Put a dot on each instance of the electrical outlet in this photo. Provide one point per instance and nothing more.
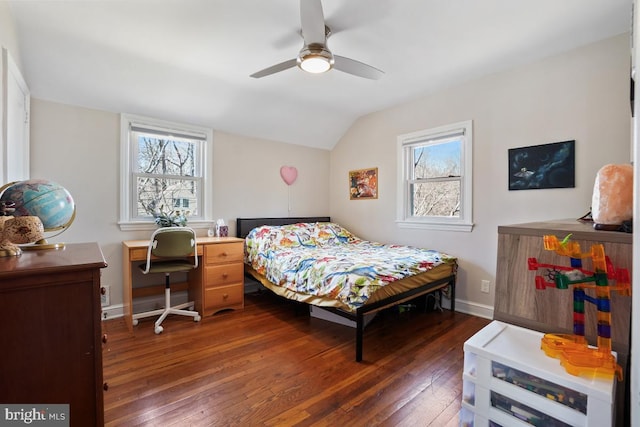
(105, 295)
(485, 286)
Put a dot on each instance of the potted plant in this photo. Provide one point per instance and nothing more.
(176, 218)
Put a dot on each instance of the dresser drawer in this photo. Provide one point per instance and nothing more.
(224, 274)
(222, 297)
(223, 252)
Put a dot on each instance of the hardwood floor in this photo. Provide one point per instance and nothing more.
(271, 364)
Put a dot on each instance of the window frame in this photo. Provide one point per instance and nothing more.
(405, 142)
(129, 221)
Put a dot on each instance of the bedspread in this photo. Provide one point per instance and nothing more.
(325, 259)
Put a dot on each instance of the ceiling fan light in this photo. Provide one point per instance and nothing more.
(315, 64)
(315, 59)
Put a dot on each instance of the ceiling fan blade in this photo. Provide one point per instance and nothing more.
(312, 19)
(356, 68)
(275, 68)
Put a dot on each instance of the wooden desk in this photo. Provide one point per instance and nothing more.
(50, 331)
(217, 284)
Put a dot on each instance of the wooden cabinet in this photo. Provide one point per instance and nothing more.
(509, 381)
(222, 277)
(50, 330)
(518, 301)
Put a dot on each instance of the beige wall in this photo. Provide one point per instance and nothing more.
(582, 95)
(8, 37)
(80, 149)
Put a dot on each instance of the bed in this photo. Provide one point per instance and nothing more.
(318, 262)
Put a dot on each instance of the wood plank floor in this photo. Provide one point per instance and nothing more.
(271, 364)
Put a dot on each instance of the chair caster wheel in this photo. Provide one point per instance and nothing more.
(135, 322)
(158, 330)
(197, 318)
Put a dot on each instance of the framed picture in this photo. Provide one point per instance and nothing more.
(363, 184)
(543, 166)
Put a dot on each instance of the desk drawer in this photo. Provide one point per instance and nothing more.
(140, 254)
(223, 252)
(224, 274)
(223, 297)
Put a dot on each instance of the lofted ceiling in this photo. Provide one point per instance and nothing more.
(190, 60)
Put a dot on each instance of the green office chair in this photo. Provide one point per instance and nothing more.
(171, 250)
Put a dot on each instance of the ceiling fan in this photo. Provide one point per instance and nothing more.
(315, 57)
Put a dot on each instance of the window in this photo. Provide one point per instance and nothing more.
(435, 178)
(163, 171)
(181, 203)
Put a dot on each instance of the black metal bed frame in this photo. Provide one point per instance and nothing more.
(245, 225)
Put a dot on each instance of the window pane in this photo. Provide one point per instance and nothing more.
(437, 160)
(162, 156)
(181, 203)
(160, 195)
(438, 198)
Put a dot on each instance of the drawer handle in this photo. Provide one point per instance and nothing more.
(104, 338)
(223, 254)
(225, 296)
(105, 386)
(225, 275)
(103, 291)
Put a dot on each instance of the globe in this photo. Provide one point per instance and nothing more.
(47, 200)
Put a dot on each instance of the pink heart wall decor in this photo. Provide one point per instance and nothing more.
(289, 174)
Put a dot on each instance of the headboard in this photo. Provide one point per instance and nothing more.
(245, 225)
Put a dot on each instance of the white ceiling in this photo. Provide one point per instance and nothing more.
(190, 60)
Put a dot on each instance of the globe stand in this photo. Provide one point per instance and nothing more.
(42, 245)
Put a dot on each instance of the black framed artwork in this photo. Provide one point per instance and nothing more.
(543, 166)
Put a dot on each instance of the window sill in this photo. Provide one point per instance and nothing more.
(440, 226)
(149, 225)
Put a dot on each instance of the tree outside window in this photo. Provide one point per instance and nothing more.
(163, 172)
(436, 185)
(434, 178)
(166, 175)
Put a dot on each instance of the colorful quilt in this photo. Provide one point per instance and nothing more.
(326, 260)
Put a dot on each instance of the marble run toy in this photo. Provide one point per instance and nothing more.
(575, 354)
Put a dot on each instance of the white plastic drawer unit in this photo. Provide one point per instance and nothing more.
(509, 381)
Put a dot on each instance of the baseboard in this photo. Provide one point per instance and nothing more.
(475, 309)
(112, 311)
(140, 305)
(151, 303)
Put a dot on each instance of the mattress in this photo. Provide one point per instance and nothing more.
(325, 265)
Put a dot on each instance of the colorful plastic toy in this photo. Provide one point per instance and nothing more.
(577, 357)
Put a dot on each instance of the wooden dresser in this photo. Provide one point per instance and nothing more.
(50, 330)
